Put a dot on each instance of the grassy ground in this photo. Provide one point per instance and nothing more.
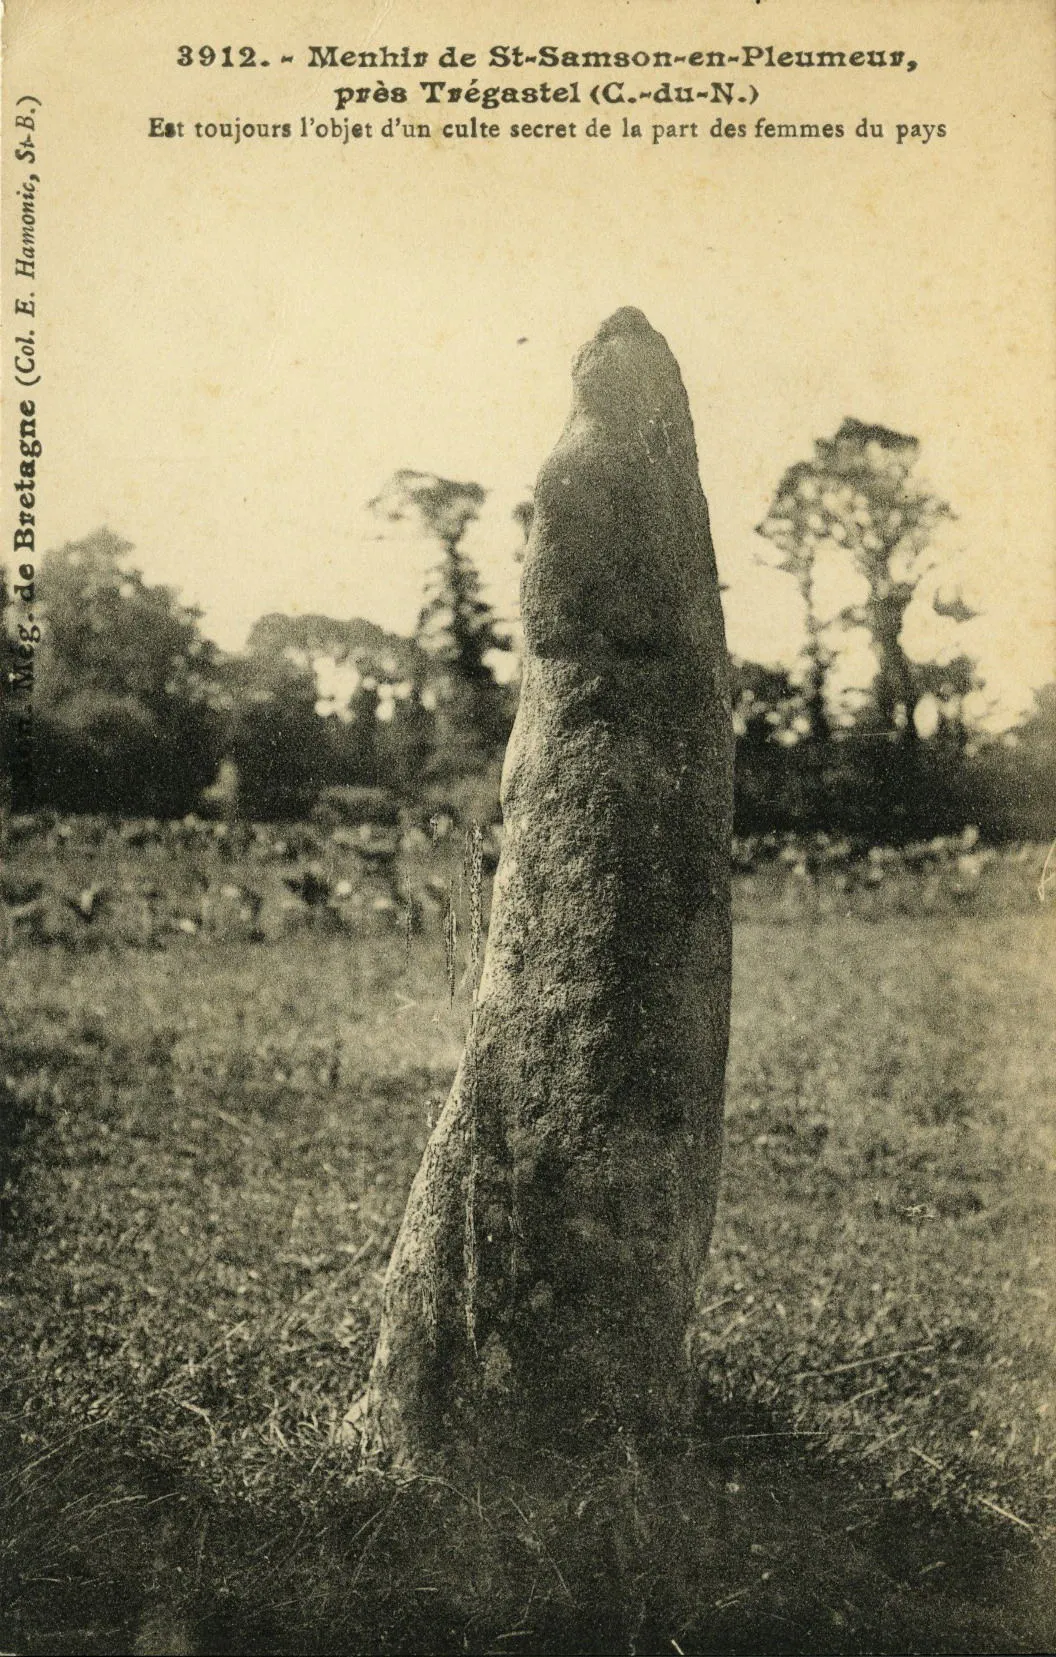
(207, 1152)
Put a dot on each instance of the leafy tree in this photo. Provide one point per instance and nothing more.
(109, 631)
(522, 515)
(769, 717)
(124, 688)
(383, 735)
(354, 740)
(273, 734)
(456, 629)
(1014, 776)
(795, 529)
(858, 492)
(767, 705)
(948, 685)
(405, 745)
(386, 658)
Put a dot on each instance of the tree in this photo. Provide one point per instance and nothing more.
(125, 686)
(456, 629)
(795, 527)
(367, 738)
(1035, 742)
(309, 640)
(767, 706)
(769, 717)
(405, 745)
(273, 734)
(522, 515)
(947, 685)
(1013, 777)
(354, 738)
(858, 493)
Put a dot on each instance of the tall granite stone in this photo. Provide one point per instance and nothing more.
(543, 1281)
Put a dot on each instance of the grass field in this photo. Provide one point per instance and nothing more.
(206, 1155)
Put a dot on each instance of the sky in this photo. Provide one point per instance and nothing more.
(240, 343)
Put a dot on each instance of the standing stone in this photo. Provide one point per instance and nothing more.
(543, 1281)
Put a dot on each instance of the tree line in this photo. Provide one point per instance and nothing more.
(136, 712)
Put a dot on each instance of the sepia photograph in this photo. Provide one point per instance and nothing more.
(528, 827)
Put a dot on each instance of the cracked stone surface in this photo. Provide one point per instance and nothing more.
(543, 1280)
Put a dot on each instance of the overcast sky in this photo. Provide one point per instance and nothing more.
(240, 343)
